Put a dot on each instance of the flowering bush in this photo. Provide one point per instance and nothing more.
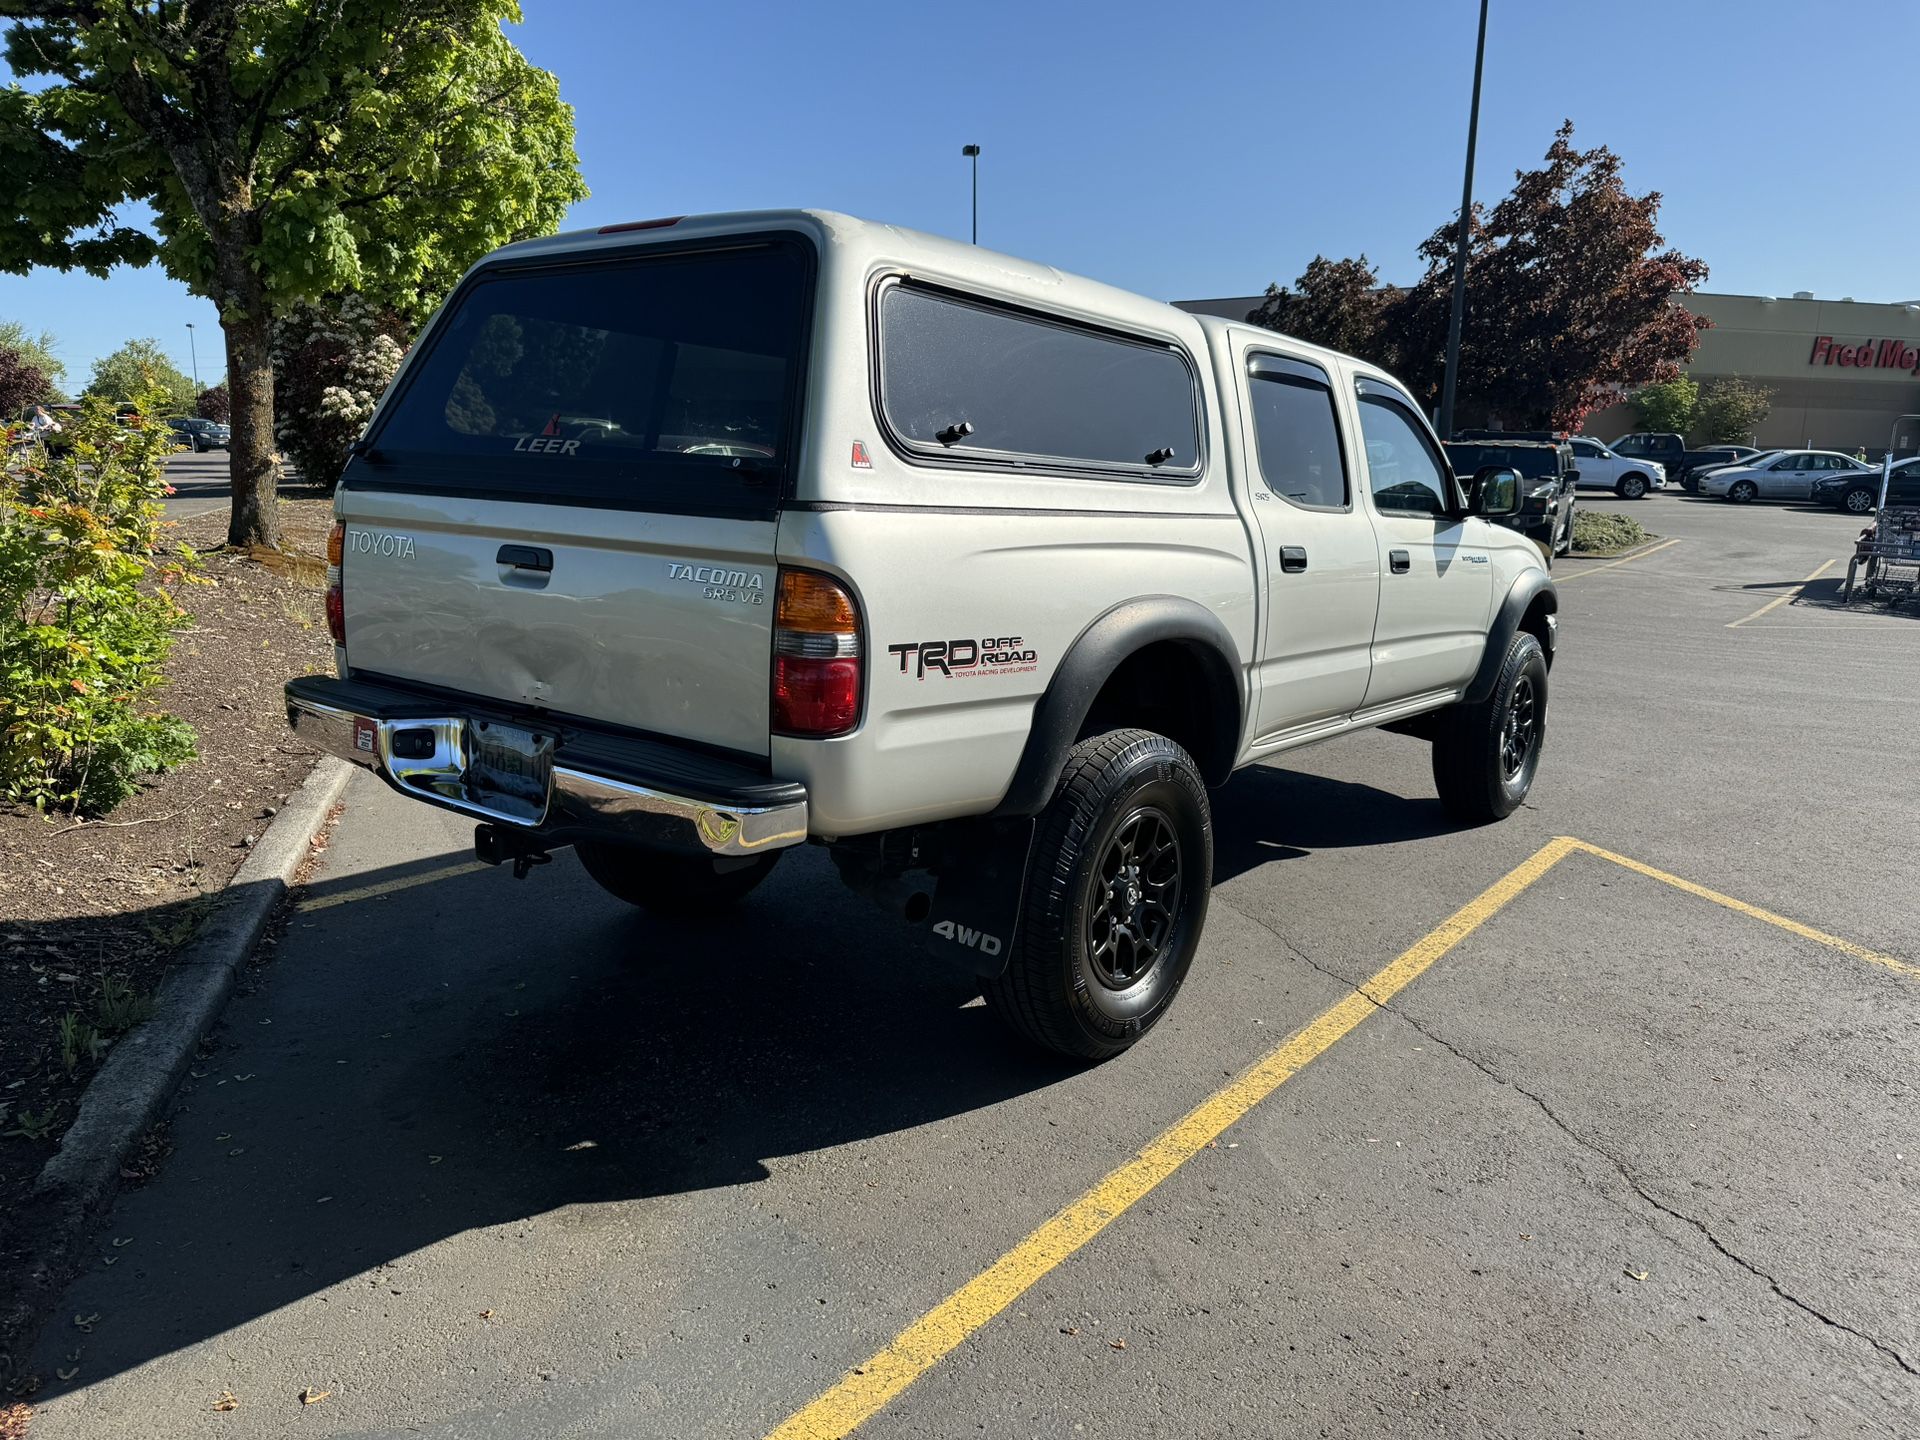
(332, 361)
(85, 615)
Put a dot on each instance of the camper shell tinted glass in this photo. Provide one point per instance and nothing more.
(965, 380)
(651, 379)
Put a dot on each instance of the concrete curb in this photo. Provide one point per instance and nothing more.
(145, 1067)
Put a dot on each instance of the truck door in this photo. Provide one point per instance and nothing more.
(1436, 586)
(1322, 562)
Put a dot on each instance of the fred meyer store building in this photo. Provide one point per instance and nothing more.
(1841, 371)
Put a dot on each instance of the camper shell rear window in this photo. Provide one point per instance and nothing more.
(657, 378)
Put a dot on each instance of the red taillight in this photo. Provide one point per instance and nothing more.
(816, 657)
(336, 595)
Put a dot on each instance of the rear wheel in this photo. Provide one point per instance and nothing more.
(1631, 487)
(1859, 500)
(670, 884)
(1485, 756)
(1743, 492)
(1117, 889)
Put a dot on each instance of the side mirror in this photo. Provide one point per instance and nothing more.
(1496, 492)
(1572, 475)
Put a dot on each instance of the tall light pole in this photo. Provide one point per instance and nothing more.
(972, 152)
(193, 350)
(1460, 250)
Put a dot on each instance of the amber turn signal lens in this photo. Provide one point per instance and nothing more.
(336, 543)
(814, 603)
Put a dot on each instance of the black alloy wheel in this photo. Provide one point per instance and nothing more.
(1521, 729)
(1135, 895)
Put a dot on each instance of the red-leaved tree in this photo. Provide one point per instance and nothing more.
(1570, 300)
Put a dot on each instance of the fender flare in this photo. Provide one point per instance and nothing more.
(1101, 648)
(1532, 585)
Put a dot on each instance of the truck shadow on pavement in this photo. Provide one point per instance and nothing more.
(435, 1050)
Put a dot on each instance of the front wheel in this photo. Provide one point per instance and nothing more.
(679, 885)
(1117, 889)
(1486, 755)
(1859, 500)
(1632, 487)
(1743, 492)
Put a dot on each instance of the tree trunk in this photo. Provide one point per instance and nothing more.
(256, 480)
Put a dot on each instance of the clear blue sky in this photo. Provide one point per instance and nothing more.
(1201, 149)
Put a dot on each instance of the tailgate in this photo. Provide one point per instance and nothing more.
(569, 499)
(659, 623)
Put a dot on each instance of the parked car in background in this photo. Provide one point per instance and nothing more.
(1860, 494)
(1709, 456)
(1601, 468)
(1662, 448)
(1547, 477)
(1782, 475)
(200, 435)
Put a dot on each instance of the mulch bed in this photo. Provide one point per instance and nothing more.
(82, 902)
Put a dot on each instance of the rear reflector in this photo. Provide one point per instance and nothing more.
(816, 657)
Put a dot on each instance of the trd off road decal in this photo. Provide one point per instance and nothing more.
(994, 655)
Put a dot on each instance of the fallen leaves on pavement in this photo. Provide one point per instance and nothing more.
(311, 1396)
(227, 1401)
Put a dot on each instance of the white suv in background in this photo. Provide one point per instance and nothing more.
(1601, 469)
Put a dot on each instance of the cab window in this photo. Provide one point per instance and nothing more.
(1296, 433)
(1404, 473)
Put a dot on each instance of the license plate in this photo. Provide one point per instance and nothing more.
(511, 763)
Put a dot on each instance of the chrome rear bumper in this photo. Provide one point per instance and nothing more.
(571, 802)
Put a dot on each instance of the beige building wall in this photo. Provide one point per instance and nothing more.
(1838, 395)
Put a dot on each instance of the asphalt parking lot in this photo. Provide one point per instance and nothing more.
(1452, 1132)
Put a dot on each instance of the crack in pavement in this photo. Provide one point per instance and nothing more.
(1619, 1166)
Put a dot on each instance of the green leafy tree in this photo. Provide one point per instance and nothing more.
(1336, 303)
(1667, 406)
(1731, 409)
(37, 350)
(287, 150)
(137, 367)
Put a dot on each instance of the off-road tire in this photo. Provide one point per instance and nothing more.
(1471, 767)
(1743, 492)
(1632, 487)
(677, 885)
(1061, 991)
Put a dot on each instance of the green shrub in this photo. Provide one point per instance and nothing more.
(1599, 532)
(85, 615)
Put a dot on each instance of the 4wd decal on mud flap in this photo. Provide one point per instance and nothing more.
(994, 655)
(965, 935)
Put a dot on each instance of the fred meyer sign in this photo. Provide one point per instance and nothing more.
(1867, 355)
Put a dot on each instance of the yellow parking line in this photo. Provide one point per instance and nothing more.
(869, 1387)
(1627, 560)
(1805, 932)
(1780, 600)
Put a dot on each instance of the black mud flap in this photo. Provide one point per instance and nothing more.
(976, 904)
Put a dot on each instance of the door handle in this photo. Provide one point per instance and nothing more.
(1293, 558)
(525, 557)
(1399, 561)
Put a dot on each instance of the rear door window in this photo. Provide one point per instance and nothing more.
(1296, 433)
(961, 379)
(663, 380)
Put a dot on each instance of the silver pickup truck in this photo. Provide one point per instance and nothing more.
(689, 541)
